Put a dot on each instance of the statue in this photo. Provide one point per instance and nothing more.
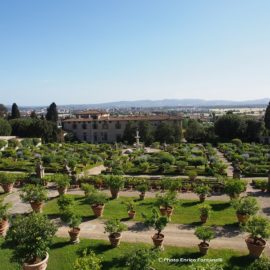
(236, 171)
(137, 137)
(40, 171)
(67, 169)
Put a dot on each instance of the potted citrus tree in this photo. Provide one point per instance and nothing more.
(3, 218)
(234, 187)
(142, 188)
(205, 211)
(259, 229)
(158, 223)
(74, 221)
(30, 237)
(35, 195)
(7, 182)
(206, 234)
(202, 191)
(130, 208)
(166, 202)
(87, 188)
(245, 207)
(63, 183)
(97, 201)
(88, 261)
(114, 227)
(115, 183)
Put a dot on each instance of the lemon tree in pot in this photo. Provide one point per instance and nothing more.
(202, 191)
(63, 182)
(166, 202)
(87, 188)
(245, 207)
(7, 182)
(234, 187)
(114, 227)
(158, 223)
(142, 188)
(30, 237)
(97, 201)
(3, 218)
(205, 234)
(88, 261)
(74, 221)
(35, 195)
(130, 208)
(115, 183)
(259, 229)
(205, 211)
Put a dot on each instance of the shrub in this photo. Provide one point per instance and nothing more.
(205, 210)
(74, 220)
(113, 226)
(142, 259)
(34, 193)
(115, 182)
(87, 188)
(237, 142)
(62, 180)
(4, 211)
(246, 206)
(192, 175)
(202, 190)
(156, 221)
(97, 198)
(205, 233)
(142, 187)
(234, 188)
(167, 200)
(89, 261)
(260, 264)
(258, 227)
(6, 178)
(31, 237)
(64, 202)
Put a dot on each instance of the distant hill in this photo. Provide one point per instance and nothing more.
(173, 103)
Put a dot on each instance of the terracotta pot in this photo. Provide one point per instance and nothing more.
(255, 250)
(203, 218)
(7, 187)
(202, 198)
(37, 206)
(142, 195)
(98, 209)
(37, 266)
(169, 211)
(242, 218)
(115, 239)
(62, 190)
(3, 226)
(115, 193)
(131, 214)
(163, 211)
(158, 240)
(203, 247)
(74, 234)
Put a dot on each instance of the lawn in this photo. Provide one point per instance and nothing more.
(185, 212)
(63, 255)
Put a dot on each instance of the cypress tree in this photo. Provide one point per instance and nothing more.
(267, 117)
(15, 113)
(52, 114)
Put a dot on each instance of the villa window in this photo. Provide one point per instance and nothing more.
(84, 126)
(74, 126)
(95, 126)
(105, 125)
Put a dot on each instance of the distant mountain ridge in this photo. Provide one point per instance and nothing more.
(174, 103)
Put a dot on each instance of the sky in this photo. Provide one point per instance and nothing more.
(94, 51)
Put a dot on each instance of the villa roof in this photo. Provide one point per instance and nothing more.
(128, 118)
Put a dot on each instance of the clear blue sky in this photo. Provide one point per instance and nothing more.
(85, 51)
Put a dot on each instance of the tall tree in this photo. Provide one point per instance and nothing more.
(33, 115)
(52, 113)
(3, 110)
(267, 117)
(15, 113)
